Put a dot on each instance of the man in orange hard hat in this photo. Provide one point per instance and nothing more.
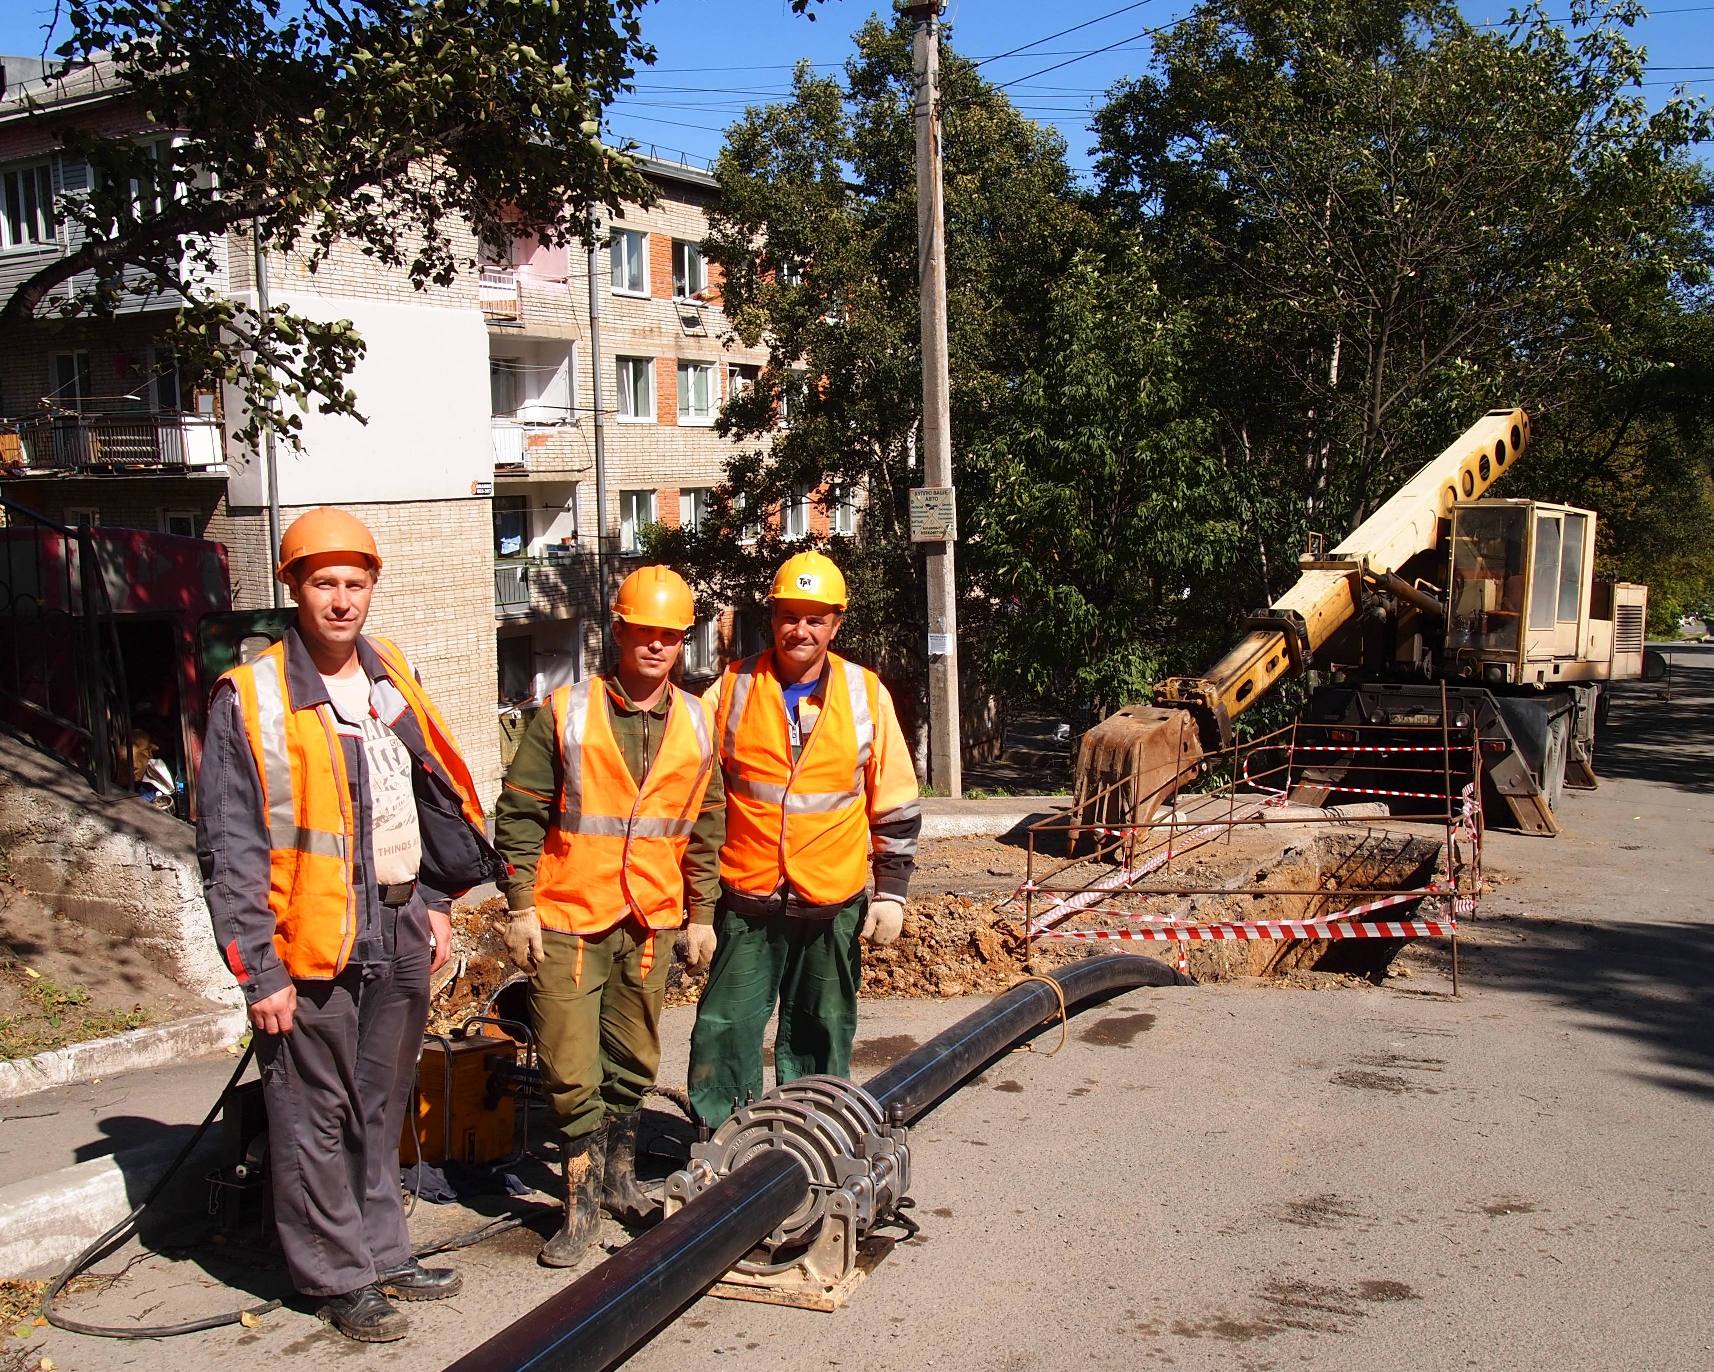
(611, 818)
(338, 821)
(822, 799)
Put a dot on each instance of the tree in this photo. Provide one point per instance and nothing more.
(390, 125)
(815, 231)
(1388, 221)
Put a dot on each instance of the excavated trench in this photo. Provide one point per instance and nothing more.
(1331, 865)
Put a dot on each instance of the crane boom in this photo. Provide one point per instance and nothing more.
(1330, 592)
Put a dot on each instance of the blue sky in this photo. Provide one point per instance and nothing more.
(717, 56)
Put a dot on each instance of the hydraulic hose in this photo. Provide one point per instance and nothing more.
(597, 1320)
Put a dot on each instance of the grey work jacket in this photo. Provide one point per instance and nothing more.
(232, 835)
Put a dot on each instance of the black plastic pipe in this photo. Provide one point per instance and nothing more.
(916, 1081)
(597, 1320)
(603, 1315)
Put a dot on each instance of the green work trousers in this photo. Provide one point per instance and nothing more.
(598, 1024)
(810, 968)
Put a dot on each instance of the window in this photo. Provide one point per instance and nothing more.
(636, 513)
(749, 528)
(1571, 569)
(78, 516)
(180, 522)
(797, 513)
(166, 389)
(511, 531)
(692, 507)
(71, 380)
(699, 650)
(741, 378)
(1546, 594)
(690, 272)
(695, 392)
(630, 262)
(636, 377)
(517, 668)
(791, 395)
(27, 206)
(790, 273)
(844, 511)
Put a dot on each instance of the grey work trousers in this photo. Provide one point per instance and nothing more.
(336, 1088)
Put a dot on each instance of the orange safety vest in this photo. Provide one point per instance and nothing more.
(805, 822)
(307, 808)
(616, 849)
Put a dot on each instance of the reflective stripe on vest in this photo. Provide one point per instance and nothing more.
(617, 848)
(785, 821)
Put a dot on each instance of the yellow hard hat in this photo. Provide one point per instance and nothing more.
(656, 596)
(326, 530)
(812, 577)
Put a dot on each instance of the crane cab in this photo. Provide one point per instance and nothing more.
(1523, 605)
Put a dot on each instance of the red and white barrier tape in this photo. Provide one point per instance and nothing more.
(1261, 930)
(1062, 910)
(1379, 791)
(1372, 748)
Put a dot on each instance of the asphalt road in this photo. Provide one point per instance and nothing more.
(1249, 1177)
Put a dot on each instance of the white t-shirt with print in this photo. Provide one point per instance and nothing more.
(392, 803)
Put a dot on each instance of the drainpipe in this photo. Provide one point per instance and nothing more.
(270, 458)
(600, 412)
(600, 1318)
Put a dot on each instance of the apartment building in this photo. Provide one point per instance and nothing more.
(665, 366)
(476, 463)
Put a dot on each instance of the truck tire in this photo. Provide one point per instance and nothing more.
(1553, 764)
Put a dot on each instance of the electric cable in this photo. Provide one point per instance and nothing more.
(124, 1230)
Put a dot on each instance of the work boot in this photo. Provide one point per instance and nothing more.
(582, 1162)
(411, 1281)
(621, 1197)
(365, 1315)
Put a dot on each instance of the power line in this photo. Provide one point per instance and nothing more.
(1100, 18)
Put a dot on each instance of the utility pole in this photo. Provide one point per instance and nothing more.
(933, 506)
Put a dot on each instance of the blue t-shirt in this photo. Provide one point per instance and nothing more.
(795, 694)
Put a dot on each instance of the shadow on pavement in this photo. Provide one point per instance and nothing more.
(1645, 983)
(1651, 738)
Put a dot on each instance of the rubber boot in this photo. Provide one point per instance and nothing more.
(582, 1162)
(621, 1197)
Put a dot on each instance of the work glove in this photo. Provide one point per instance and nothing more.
(524, 939)
(699, 944)
(885, 919)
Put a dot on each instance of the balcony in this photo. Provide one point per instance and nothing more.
(508, 444)
(560, 586)
(106, 442)
(497, 289)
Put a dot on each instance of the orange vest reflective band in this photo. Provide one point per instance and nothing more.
(805, 822)
(307, 808)
(616, 849)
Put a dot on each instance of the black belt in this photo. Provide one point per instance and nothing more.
(399, 893)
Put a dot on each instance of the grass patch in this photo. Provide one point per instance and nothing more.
(45, 1015)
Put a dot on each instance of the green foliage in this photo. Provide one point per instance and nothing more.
(1387, 221)
(386, 126)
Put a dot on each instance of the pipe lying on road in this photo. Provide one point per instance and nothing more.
(597, 1320)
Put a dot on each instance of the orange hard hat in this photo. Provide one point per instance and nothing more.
(326, 530)
(656, 596)
(812, 577)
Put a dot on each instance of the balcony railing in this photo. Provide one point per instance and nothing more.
(560, 585)
(508, 442)
(497, 289)
(77, 442)
(511, 589)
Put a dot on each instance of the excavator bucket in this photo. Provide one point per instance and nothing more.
(1131, 761)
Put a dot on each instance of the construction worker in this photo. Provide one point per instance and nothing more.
(611, 818)
(337, 822)
(821, 796)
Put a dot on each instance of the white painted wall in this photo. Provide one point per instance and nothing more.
(423, 387)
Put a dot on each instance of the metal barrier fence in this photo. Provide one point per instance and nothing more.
(62, 677)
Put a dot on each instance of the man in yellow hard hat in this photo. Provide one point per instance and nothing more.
(337, 822)
(611, 818)
(822, 799)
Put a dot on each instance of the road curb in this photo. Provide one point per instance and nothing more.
(47, 1221)
(141, 1048)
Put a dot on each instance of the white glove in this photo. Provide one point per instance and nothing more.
(885, 919)
(524, 939)
(699, 944)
